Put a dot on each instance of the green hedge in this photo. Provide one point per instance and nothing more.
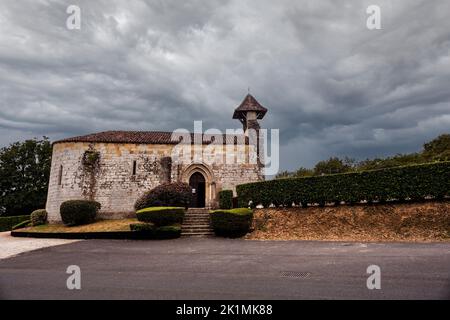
(6, 223)
(231, 223)
(226, 199)
(21, 225)
(154, 232)
(161, 216)
(413, 182)
(78, 212)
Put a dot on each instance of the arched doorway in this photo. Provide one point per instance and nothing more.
(209, 199)
(198, 186)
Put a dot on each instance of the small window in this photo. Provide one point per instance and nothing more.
(60, 175)
(134, 167)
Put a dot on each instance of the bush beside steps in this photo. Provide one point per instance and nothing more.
(231, 223)
(161, 216)
(153, 232)
(175, 194)
(226, 199)
(159, 222)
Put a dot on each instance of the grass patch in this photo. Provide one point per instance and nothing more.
(97, 226)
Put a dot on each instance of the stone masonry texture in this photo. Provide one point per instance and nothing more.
(113, 184)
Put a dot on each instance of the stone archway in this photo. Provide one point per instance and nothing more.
(199, 171)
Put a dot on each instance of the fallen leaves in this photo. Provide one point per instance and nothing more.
(427, 221)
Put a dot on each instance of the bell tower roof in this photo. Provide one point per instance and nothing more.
(249, 105)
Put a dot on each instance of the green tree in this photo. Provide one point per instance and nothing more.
(283, 175)
(390, 162)
(333, 165)
(24, 175)
(437, 149)
(303, 172)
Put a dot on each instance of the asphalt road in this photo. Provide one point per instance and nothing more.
(228, 269)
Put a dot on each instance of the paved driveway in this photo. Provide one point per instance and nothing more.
(11, 246)
(229, 269)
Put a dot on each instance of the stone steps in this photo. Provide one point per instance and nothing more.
(198, 210)
(197, 234)
(193, 224)
(200, 220)
(196, 223)
(198, 229)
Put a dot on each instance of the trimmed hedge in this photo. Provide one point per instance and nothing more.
(409, 182)
(38, 217)
(226, 199)
(142, 227)
(176, 194)
(23, 224)
(6, 223)
(161, 216)
(78, 212)
(153, 232)
(231, 223)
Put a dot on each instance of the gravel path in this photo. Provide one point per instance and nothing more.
(11, 246)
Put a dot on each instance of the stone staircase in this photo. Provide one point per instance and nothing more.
(196, 223)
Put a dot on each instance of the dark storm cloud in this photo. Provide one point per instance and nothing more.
(332, 87)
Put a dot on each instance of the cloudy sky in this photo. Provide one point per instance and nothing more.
(332, 86)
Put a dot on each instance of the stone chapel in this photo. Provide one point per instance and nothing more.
(116, 167)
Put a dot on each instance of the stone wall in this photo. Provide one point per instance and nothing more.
(113, 184)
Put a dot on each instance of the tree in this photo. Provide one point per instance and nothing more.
(283, 175)
(437, 149)
(390, 162)
(24, 175)
(333, 165)
(303, 172)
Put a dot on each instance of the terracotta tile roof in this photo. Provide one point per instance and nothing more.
(142, 137)
(249, 104)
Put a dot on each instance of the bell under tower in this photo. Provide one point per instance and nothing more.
(249, 112)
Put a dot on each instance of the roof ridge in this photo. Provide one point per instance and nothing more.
(139, 137)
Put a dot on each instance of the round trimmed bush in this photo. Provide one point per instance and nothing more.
(161, 216)
(38, 217)
(78, 212)
(232, 223)
(176, 194)
(226, 199)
